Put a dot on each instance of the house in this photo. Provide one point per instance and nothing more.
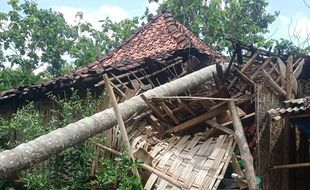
(194, 135)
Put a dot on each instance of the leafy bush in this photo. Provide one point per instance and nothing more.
(118, 173)
(69, 169)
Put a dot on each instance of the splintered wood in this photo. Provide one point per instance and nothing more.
(194, 162)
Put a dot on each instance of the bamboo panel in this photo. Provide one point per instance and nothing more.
(195, 162)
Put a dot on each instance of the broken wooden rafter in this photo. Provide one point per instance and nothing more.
(217, 109)
(218, 126)
(169, 113)
(228, 125)
(186, 107)
(250, 61)
(262, 66)
(244, 77)
(155, 110)
(273, 83)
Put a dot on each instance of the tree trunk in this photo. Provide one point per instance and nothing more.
(43, 147)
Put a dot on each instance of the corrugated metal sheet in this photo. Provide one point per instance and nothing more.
(295, 106)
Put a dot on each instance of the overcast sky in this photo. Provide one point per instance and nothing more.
(293, 13)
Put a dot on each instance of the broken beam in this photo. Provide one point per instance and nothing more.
(273, 83)
(214, 111)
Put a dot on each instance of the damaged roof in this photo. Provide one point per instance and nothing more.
(159, 40)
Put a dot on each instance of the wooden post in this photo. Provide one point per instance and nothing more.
(243, 146)
(289, 71)
(288, 135)
(119, 119)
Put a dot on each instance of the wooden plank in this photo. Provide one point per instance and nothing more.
(273, 83)
(199, 119)
(282, 67)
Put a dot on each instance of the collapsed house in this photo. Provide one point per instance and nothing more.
(189, 113)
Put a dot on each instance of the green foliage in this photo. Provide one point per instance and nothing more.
(27, 30)
(31, 37)
(245, 20)
(12, 78)
(118, 173)
(25, 125)
(284, 46)
(92, 43)
(69, 169)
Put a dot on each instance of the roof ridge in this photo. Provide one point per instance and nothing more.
(175, 32)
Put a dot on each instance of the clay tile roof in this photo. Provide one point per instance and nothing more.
(163, 34)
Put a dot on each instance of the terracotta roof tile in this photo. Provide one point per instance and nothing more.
(161, 35)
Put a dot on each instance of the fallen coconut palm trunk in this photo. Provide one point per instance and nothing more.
(43, 147)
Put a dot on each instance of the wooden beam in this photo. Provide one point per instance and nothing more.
(243, 77)
(288, 166)
(260, 68)
(170, 113)
(289, 71)
(243, 147)
(273, 83)
(186, 107)
(227, 125)
(120, 121)
(195, 98)
(214, 111)
(218, 126)
(250, 61)
(156, 111)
